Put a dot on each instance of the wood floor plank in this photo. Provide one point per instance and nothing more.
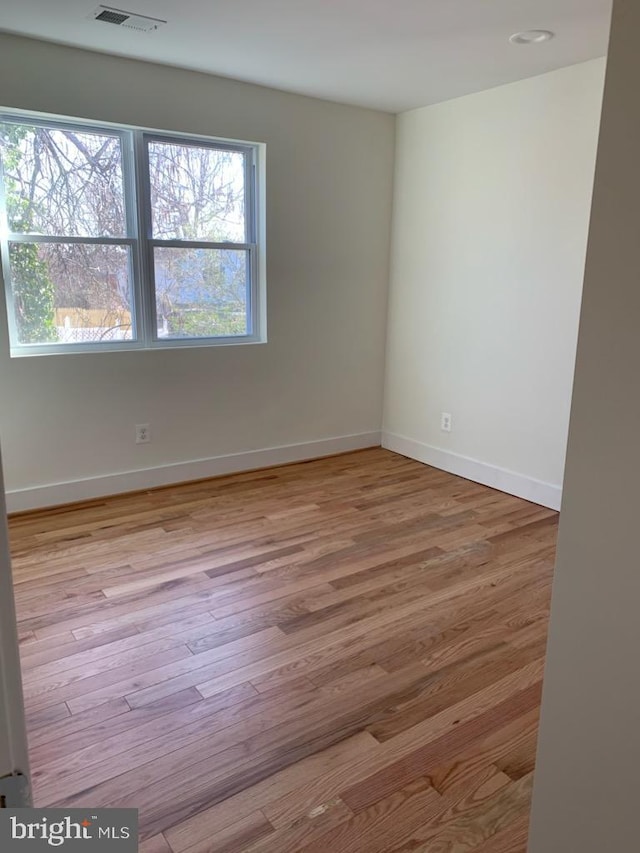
(419, 748)
(72, 725)
(313, 826)
(372, 829)
(163, 676)
(46, 717)
(79, 693)
(385, 824)
(157, 844)
(344, 654)
(230, 758)
(110, 650)
(210, 821)
(449, 744)
(48, 651)
(512, 839)
(240, 835)
(79, 747)
(462, 829)
(496, 749)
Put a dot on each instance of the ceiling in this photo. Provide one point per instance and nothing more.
(388, 54)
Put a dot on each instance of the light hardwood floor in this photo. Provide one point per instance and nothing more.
(343, 655)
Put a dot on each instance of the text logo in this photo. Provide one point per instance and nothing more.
(72, 830)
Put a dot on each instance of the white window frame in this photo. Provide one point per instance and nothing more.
(139, 237)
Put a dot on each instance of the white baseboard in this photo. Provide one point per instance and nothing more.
(55, 494)
(536, 491)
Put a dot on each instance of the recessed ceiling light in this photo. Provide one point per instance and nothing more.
(531, 37)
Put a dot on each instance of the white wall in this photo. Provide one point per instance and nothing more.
(329, 190)
(492, 200)
(587, 777)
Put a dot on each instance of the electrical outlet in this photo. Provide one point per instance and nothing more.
(445, 422)
(143, 433)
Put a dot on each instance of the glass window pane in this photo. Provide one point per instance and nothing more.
(63, 182)
(202, 293)
(71, 293)
(197, 193)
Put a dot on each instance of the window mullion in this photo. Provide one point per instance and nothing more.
(249, 201)
(131, 207)
(200, 244)
(145, 258)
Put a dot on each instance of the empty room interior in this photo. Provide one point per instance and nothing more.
(314, 315)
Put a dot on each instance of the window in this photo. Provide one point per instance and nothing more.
(114, 238)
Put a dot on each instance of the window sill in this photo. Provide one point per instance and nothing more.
(95, 349)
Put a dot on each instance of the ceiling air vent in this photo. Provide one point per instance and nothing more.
(128, 20)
